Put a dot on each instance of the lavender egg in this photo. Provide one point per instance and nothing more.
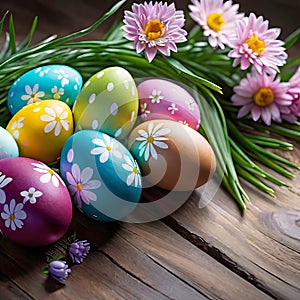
(35, 205)
(163, 99)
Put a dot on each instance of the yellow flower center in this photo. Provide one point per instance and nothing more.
(135, 170)
(108, 148)
(154, 29)
(150, 139)
(30, 195)
(215, 21)
(255, 44)
(50, 172)
(12, 217)
(263, 97)
(57, 119)
(79, 187)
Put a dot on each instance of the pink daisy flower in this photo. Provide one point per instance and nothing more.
(257, 45)
(217, 19)
(154, 27)
(263, 96)
(292, 113)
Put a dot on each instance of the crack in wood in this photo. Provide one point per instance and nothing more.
(13, 288)
(217, 255)
(131, 274)
(181, 279)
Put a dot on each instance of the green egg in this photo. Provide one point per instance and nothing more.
(108, 102)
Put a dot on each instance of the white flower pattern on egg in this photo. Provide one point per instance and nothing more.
(13, 214)
(190, 105)
(106, 148)
(145, 112)
(57, 92)
(184, 123)
(56, 120)
(156, 96)
(33, 94)
(173, 108)
(42, 72)
(80, 184)
(31, 195)
(48, 175)
(4, 181)
(17, 125)
(62, 76)
(132, 167)
(151, 139)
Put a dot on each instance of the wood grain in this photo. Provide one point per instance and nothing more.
(265, 253)
(208, 253)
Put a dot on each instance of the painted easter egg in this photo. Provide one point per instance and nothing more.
(171, 155)
(101, 175)
(35, 205)
(41, 129)
(108, 102)
(8, 145)
(58, 82)
(163, 99)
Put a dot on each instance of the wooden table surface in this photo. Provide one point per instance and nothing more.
(209, 253)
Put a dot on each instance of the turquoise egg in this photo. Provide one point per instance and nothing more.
(108, 102)
(8, 145)
(58, 82)
(103, 178)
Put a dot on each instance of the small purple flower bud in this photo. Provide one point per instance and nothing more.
(79, 250)
(59, 270)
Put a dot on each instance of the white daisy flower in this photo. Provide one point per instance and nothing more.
(156, 96)
(57, 92)
(106, 148)
(48, 174)
(152, 138)
(13, 215)
(31, 195)
(3, 182)
(56, 120)
(173, 108)
(81, 184)
(62, 76)
(33, 94)
(132, 167)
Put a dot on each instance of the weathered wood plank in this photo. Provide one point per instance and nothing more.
(97, 278)
(10, 291)
(162, 259)
(261, 246)
(148, 261)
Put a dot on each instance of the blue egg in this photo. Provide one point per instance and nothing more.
(102, 176)
(58, 82)
(8, 145)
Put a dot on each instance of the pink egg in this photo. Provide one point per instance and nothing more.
(35, 205)
(163, 99)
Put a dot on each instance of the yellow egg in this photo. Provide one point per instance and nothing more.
(171, 155)
(41, 129)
